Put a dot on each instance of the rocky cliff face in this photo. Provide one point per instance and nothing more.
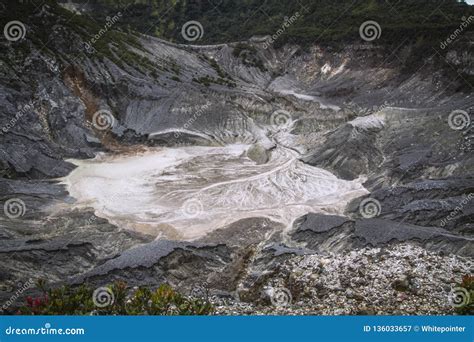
(358, 113)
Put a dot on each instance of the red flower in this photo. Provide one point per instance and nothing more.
(37, 302)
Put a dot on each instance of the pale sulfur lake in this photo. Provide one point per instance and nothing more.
(185, 192)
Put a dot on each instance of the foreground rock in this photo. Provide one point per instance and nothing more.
(337, 233)
(398, 280)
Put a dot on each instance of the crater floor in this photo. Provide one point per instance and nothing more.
(186, 192)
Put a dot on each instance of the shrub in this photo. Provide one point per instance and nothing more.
(248, 55)
(117, 300)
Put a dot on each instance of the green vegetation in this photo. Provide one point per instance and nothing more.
(320, 21)
(421, 23)
(248, 55)
(118, 300)
(213, 63)
(208, 80)
(110, 42)
(175, 68)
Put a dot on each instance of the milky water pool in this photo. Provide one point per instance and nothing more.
(186, 192)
